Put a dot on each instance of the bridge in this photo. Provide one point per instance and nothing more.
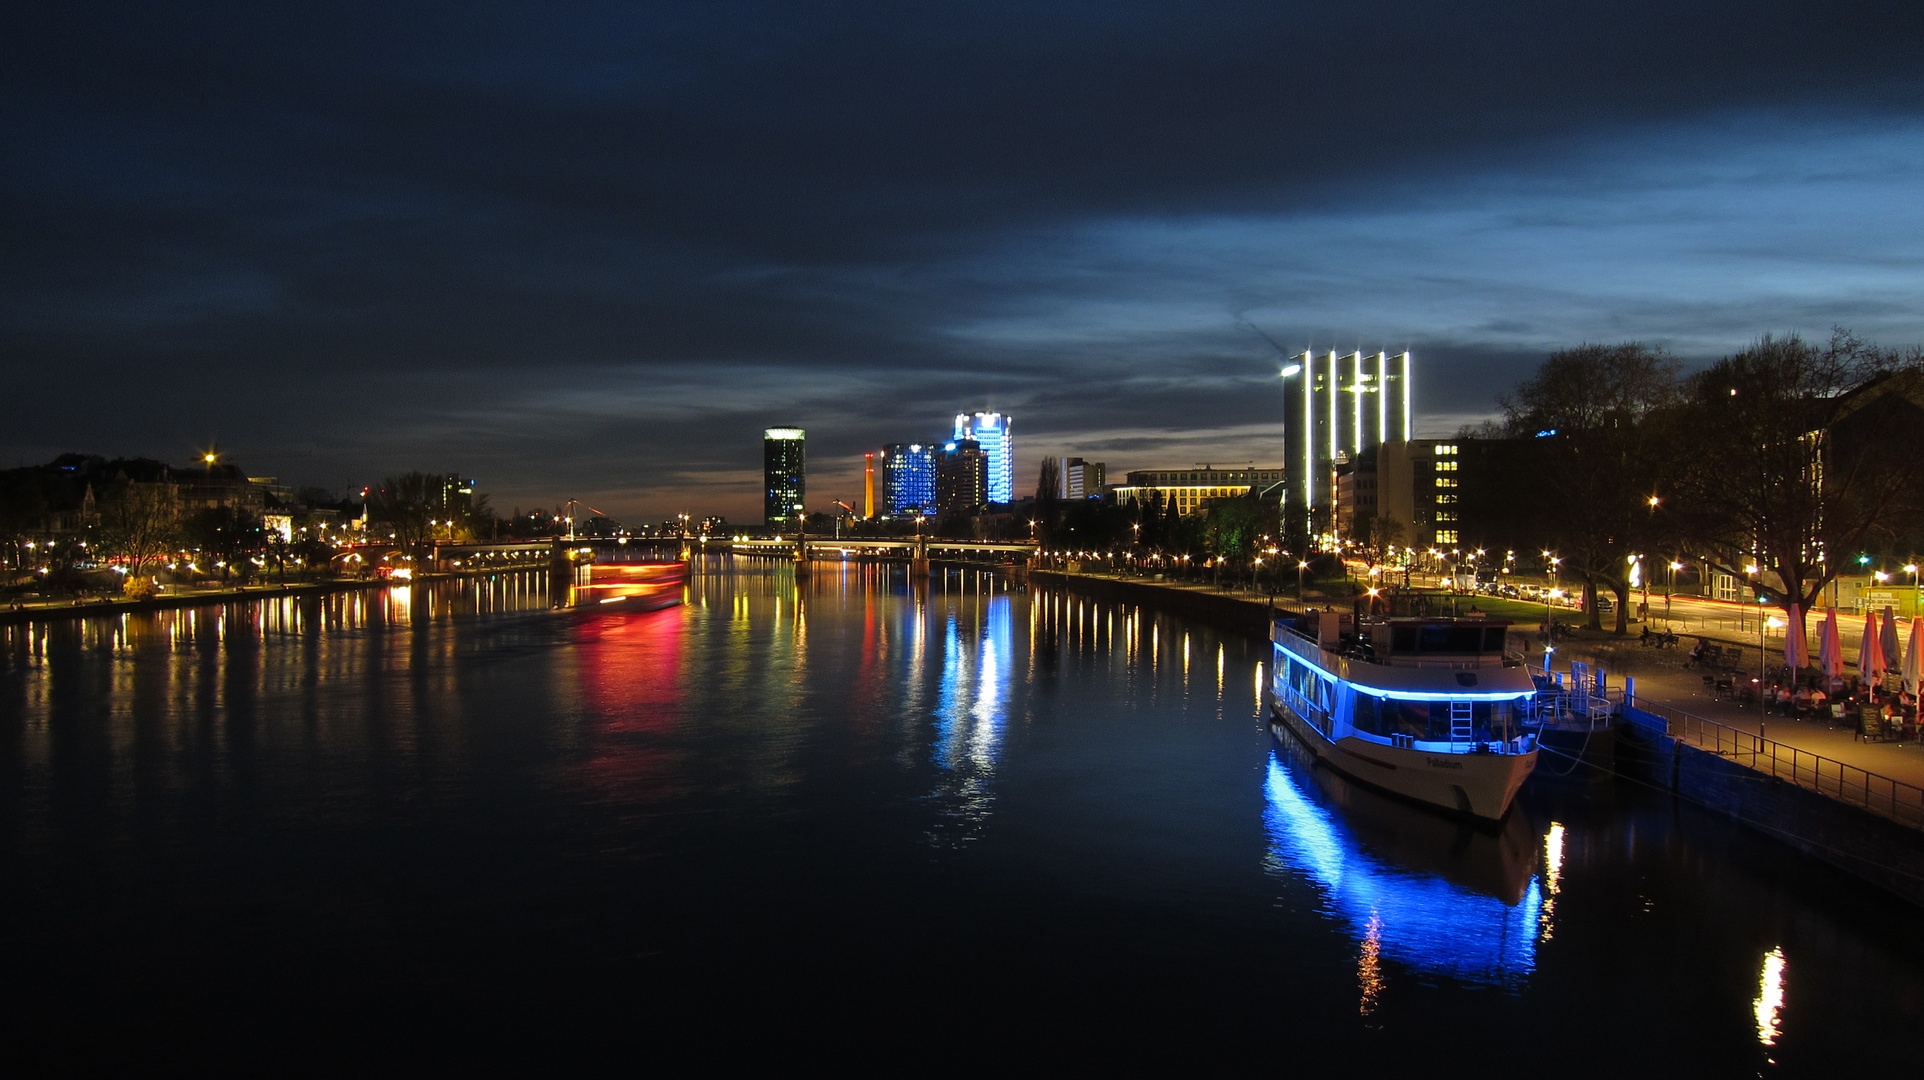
(914, 550)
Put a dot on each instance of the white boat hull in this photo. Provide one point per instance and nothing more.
(1477, 785)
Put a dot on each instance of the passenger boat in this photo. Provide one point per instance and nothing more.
(637, 586)
(1425, 708)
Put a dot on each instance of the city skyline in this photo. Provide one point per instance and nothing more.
(583, 253)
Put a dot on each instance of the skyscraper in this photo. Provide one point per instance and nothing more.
(991, 432)
(1339, 406)
(961, 477)
(785, 472)
(908, 479)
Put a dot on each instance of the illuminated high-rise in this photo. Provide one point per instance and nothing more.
(990, 431)
(785, 473)
(908, 480)
(1336, 407)
(961, 478)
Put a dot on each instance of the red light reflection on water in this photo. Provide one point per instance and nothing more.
(632, 695)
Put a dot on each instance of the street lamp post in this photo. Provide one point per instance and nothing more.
(1911, 569)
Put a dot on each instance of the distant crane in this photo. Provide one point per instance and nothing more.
(838, 519)
(1293, 368)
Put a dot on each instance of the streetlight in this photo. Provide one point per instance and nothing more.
(1671, 587)
(1301, 565)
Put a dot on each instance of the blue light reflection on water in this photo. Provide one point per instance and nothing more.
(1420, 920)
(971, 712)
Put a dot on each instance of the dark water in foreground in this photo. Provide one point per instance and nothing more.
(445, 828)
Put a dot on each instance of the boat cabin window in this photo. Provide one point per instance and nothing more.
(1491, 721)
(1458, 640)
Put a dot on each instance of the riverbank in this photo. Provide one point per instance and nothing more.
(1224, 611)
(1831, 824)
(61, 610)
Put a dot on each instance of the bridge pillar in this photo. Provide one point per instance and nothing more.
(802, 569)
(561, 572)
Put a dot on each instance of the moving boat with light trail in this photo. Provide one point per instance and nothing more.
(1425, 708)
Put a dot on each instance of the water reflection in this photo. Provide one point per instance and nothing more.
(971, 710)
(1769, 1005)
(1438, 897)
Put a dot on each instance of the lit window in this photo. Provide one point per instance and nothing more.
(1446, 481)
(1446, 466)
(1446, 515)
(1445, 449)
(1446, 500)
(1446, 536)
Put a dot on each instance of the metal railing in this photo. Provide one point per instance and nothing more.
(1881, 795)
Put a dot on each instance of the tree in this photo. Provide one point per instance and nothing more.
(405, 504)
(1047, 500)
(1790, 459)
(227, 533)
(140, 523)
(1376, 537)
(1589, 412)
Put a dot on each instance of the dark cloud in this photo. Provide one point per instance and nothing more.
(573, 247)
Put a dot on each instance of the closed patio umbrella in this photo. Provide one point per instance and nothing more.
(1912, 658)
(1870, 652)
(1830, 646)
(1796, 650)
(1893, 656)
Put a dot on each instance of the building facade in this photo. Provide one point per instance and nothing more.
(1188, 491)
(990, 431)
(961, 478)
(785, 475)
(1337, 406)
(1079, 479)
(908, 480)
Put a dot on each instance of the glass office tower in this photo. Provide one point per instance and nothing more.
(785, 471)
(1339, 406)
(990, 431)
(908, 479)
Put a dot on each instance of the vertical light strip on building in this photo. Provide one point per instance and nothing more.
(1356, 409)
(1382, 398)
(1335, 418)
(1409, 395)
(1307, 486)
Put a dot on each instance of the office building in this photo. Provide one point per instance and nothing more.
(1188, 491)
(908, 480)
(1079, 479)
(990, 431)
(785, 473)
(1451, 493)
(961, 478)
(1337, 406)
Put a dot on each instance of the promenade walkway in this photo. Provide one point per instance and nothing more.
(1661, 679)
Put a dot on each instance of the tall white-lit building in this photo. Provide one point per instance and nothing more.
(1339, 406)
(990, 431)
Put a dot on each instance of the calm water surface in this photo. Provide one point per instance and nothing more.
(854, 822)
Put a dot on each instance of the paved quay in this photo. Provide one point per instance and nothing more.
(1661, 679)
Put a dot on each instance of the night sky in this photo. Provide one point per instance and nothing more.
(591, 251)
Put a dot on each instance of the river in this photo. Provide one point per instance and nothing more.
(444, 827)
